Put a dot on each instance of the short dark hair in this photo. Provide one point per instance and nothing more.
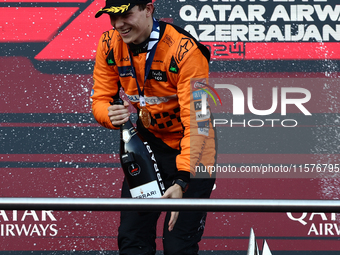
(143, 6)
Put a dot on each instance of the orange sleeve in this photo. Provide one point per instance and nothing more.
(195, 147)
(105, 86)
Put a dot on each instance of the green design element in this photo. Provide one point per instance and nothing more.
(209, 95)
(173, 69)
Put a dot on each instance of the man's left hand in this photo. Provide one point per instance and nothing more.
(175, 191)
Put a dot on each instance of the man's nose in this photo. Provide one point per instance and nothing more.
(117, 22)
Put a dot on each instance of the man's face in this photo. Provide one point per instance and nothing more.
(133, 26)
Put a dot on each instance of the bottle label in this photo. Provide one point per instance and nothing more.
(148, 190)
(159, 178)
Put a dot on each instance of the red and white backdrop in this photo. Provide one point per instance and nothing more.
(281, 55)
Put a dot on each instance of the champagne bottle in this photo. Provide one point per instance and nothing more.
(139, 163)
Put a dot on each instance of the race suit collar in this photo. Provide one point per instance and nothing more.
(139, 48)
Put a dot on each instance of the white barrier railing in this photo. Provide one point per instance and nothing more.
(210, 205)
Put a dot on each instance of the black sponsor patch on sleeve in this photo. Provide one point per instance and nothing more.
(173, 66)
(198, 105)
(110, 60)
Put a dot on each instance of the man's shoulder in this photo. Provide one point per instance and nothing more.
(108, 32)
(181, 40)
(109, 39)
(109, 35)
(176, 33)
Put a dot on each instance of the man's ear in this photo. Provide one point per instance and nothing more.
(149, 9)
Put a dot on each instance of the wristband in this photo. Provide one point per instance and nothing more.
(184, 185)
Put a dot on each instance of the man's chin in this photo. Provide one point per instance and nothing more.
(128, 39)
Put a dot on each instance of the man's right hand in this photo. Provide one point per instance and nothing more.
(119, 114)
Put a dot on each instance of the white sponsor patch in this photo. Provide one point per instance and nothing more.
(148, 190)
(200, 116)
(203, 131)
(151, 100)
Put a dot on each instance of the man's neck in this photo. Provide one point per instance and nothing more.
(143, 46)
(139, 48)
(148, 31)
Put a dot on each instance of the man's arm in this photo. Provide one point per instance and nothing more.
(194, 144)
(105, 86)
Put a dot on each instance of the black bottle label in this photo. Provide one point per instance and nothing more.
(154, 188)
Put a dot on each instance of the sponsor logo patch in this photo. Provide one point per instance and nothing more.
(203, 131)
(200, 116)
(183, 48)
(125, 71)
(168, 40)
(157, 75)
(198, 94)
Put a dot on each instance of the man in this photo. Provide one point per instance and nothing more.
(154, 63)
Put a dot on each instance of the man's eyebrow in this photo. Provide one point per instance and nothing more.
(128, 12)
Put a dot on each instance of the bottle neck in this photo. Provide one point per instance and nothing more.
(127, 125)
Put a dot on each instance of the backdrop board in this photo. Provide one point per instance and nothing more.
(274, 79)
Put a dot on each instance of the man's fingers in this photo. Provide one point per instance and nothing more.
(118, 122)
(113, 111)
(119, 117)
(126, 104)
(166, 194)
(174, 191)
(118, 114)
(173, 219)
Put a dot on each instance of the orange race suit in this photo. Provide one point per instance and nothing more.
(169, 91)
